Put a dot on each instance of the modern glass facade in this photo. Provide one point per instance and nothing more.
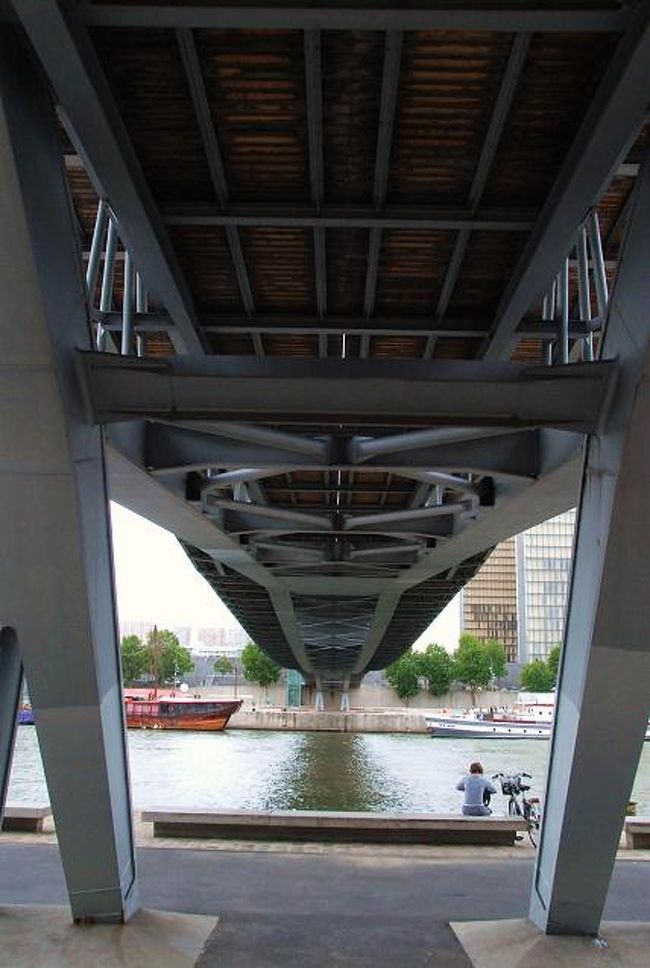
(543, 568)
(519, 595)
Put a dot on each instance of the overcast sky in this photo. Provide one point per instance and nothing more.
(156, 582)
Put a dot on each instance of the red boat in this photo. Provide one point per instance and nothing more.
(171, 711)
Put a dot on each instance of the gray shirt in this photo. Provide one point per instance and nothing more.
(474, 784)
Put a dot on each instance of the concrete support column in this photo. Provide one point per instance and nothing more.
(56, 573)
(345, 696)
(604, 692)
(11, 680)
(319, 704)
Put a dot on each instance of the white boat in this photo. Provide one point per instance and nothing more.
(530, 718)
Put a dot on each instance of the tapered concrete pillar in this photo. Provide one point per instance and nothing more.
(56, 575)
(345, 696)
(11, 680)
(319, 704)
(604, 693)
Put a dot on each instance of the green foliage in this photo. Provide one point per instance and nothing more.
(497, 655)
(403, 675)
(437, 667)
(472, 664)
(135, 658)
(553, 661)
(168, 659)
(537, 677)
(222, 665)
(540, 676)
(257, 666)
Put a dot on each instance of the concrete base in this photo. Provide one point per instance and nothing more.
(518, 944)
(325, 721)
(44, 935)
(336, 826)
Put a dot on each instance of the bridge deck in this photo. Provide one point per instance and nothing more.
(352, 188)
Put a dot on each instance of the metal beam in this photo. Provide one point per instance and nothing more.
(314, 99)
(315, 521)
(11, 681)
(365, 448)
(608, 130)
(387, 106)
(502, 105)
(291, 325)
(345, 391)
(56, 585)
(64, 48)
(497, 123)
(264, 436)
(418, 15)
(605, 651)
(196, 84)
(401, 517)
(170, 451)
(321, 216)
(451, 481)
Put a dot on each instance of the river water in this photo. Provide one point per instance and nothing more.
(248, 769)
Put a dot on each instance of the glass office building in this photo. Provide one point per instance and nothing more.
(543, 568)
(519, 596)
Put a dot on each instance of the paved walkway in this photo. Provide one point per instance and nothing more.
(304, 910)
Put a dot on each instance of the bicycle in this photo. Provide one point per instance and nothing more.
(514, 787)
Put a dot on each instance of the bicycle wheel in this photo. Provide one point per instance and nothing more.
(532, 818)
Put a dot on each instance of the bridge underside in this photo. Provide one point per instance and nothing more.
(335, 278)
(342, 297)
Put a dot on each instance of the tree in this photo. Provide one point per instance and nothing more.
(497, 655)
(135, 658)
(472, 664)
(168, 659)
(257, 667)
(222, 666)
(536, 676)
(404, 674)
(437, 667)
(553, 661)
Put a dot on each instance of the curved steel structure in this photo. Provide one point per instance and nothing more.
(364, 292)
(324, 360)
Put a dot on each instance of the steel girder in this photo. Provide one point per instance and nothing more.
(421, 15)
(348, 391)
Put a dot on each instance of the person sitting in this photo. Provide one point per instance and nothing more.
(477, 790)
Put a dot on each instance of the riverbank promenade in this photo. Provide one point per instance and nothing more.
(317, 905)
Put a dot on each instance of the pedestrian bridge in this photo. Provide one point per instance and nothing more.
(342, 296)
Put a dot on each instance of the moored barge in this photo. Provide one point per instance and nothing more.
(178, 712)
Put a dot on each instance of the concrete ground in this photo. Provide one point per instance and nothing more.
(43, 935)
(296, 907)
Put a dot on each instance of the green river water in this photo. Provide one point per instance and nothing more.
(247, 769)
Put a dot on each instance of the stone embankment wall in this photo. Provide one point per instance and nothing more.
(371, 698)
(311, 721)
(373, 710)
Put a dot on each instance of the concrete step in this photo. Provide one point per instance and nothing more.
(349, 827)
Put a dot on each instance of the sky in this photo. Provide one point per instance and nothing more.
(156, 582)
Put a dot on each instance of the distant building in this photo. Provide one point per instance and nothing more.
(490, 600)
(220, 641)
(519, 595)
(544, 556)
(199, 640)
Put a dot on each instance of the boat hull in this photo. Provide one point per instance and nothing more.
(470, 729)
(213, 721)
(479, 729)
